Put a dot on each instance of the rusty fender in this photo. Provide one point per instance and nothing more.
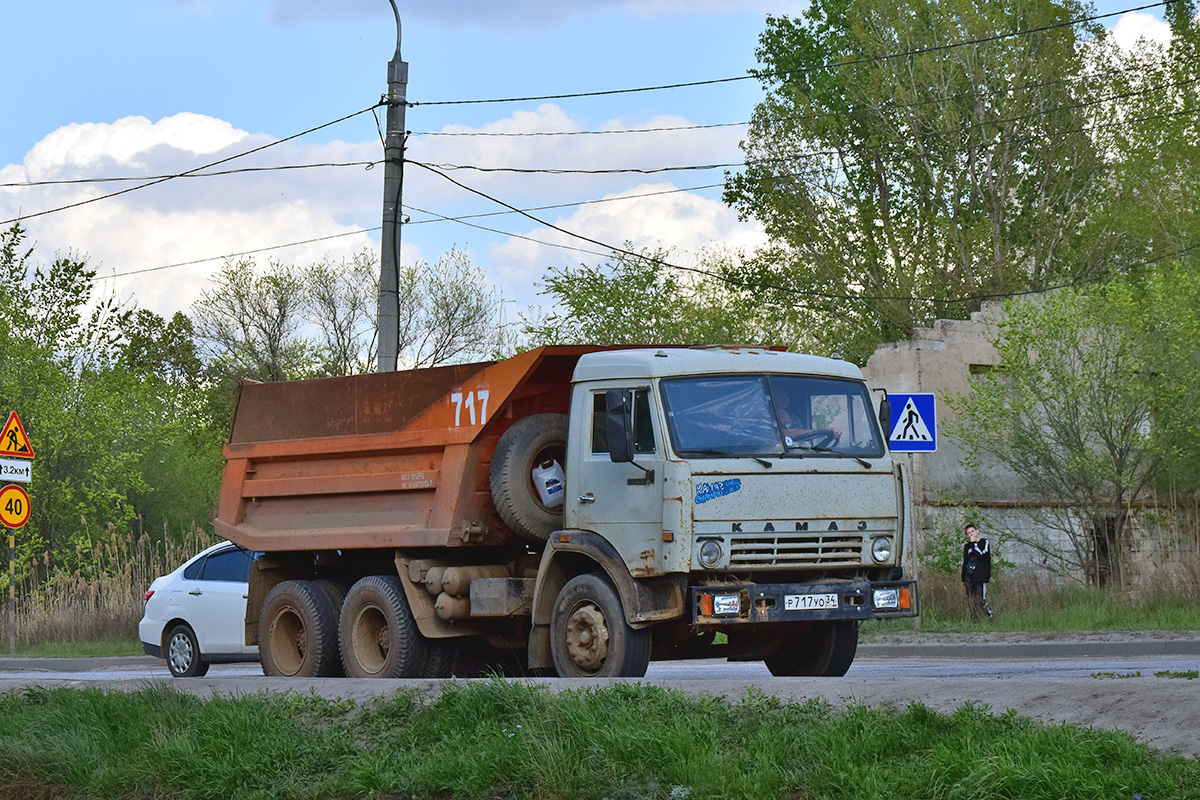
(571, 553)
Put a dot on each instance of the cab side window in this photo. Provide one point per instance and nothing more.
(643, 424)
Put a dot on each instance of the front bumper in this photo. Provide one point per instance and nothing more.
(800, 602)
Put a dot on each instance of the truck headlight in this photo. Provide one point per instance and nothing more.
(710, 554)
(887, 598)
(881, 549)
(726, 605)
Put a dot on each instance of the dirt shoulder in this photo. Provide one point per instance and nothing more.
(984, 636)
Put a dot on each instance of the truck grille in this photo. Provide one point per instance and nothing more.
(801, 549)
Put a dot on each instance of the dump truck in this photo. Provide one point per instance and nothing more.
(572, 510)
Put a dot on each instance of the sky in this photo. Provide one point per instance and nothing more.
(144, 88)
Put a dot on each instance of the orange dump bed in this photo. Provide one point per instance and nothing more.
(397, 459)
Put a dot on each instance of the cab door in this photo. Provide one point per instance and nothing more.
(620, 501)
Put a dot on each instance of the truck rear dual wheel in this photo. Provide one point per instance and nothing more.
(378, 634)
(824, 649)
(589, 637)
(529, 442)
(297, 632)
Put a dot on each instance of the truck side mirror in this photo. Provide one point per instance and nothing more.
(618, 406)
(885, 414)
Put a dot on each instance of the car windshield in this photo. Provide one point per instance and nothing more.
(761, 415)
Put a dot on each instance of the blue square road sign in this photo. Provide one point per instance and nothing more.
(913, 427)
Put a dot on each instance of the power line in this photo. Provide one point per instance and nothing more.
(283, 167)
(110, 276)
(186, 172)
(792, 290)
(792, 117)
(813, 154)
(462, 220)
(439, 218)
(615, 132)
(802, 70)
(639, 195)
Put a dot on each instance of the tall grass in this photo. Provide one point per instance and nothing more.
(103, 598)
(1037, 604)
(497, 739)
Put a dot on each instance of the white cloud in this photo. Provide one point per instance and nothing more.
(654, 215)
(1135, 25)
(188, 219)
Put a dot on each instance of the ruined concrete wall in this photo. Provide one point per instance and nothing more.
(943, 360)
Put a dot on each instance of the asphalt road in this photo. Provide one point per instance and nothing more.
(99, 671)
(1107, 684)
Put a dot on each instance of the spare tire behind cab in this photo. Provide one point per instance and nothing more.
(529, 442)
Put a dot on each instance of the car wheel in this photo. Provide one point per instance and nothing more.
(183, 653)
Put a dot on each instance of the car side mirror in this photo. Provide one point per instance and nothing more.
(618, 421)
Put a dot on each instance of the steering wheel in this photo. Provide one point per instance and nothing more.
(818, 439)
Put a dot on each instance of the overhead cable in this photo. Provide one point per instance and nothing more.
(803, 70)
(185, 172)
(808, 293)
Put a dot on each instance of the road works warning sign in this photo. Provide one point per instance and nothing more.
(913, 424)
(13, 441)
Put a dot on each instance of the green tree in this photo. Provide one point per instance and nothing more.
(288, 323)
(893, 186)
(250, 324)
(1149, 207)
(640, 299)
(448, 313)
(112, 400)
(1096, 401)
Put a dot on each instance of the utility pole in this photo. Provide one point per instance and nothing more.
(393, 183)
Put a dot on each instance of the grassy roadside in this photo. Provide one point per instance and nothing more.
(96, 649)
(512, 740)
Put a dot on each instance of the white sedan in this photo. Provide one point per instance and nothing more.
(195, 616)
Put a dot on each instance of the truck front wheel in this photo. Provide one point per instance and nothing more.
(297, 632)
(589, 637)
(823, 649)
(377, 631)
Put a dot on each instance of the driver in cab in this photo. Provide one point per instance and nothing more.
(794, 432)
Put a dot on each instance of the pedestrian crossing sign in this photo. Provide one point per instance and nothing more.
(913, 427)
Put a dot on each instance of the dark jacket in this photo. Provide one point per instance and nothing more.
(977, 562)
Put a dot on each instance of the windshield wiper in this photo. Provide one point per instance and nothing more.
(711, 452)
(814, 448)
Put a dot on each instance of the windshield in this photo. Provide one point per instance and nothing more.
(770, 415)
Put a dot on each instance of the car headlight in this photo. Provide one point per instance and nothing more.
(881, 549)
(710, 554)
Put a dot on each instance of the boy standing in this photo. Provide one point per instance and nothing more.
(976, 572)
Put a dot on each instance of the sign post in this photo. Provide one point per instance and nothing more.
(913, 429)
(14, 504)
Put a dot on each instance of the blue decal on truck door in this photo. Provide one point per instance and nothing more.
(715, 489)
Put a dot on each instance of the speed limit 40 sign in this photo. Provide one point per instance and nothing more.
(14, 506)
